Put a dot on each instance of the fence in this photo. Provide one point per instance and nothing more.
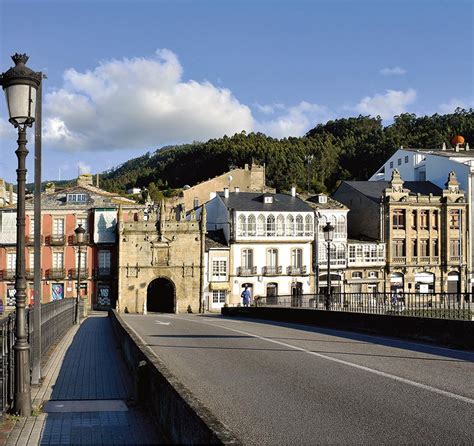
(430, 305)
(56, 319)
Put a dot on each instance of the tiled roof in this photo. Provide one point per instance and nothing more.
(215, 239)
(248, 201)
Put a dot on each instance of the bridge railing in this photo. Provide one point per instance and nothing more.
(429, 305)
(57, 318)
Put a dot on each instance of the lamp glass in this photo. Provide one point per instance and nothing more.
(328, 232)
(21, 102)
(80, 233)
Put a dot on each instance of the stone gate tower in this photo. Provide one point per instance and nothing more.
(160, 265)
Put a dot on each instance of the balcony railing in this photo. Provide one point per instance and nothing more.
(56, 273)
(271, 270)
(30, 274)
(7, 274)
(73, 273)
(247, 271)
(72, 239)
(296, 270)
(454, 258)
(30, 240)
(103, 272)
(399, 260)
(423, 259)
(56, 240)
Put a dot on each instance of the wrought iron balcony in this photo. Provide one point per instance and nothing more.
(7, 274)
(56, 240)
(247, 271)
(56, 273)
(271, 270)
(30, 240)
(72, 239)
(399, 260)
(73, 273)
(103, 272)
(30, 274)
(296, 270)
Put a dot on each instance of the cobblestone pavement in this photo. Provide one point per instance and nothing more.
(86, 365)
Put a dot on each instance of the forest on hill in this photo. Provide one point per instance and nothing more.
(348, 148)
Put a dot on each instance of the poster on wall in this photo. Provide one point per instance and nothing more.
(11, 294)
(104, 296)
(58, 291)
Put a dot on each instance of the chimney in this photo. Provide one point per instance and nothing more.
(85, 179)
(293, 191)
(97, 180)
(49, 188)
(195, 203)
(226, 192)
(237, 189)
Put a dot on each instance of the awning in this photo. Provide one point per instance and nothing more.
(215, 286)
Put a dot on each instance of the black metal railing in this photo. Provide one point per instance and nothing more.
(272, 270)
(56, 319)
(428, 305)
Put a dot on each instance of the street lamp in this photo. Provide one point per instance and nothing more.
(21, 84)
(79, 231)
(328, 236)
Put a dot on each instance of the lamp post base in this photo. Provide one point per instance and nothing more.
(22, 396)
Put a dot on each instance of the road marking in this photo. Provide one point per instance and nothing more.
(162, 323)
(347, 363)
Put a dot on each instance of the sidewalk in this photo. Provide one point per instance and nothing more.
(85, 394)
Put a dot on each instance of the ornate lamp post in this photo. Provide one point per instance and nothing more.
(79, 231)
(328, 236)
(21, 84)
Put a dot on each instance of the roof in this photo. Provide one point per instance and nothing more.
(440, 152)
(375, 189)
(312, 200)
(248, 201)
(215, 239)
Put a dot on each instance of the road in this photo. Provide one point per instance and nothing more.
(275, 383)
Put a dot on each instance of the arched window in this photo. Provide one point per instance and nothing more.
(251, 226)
(242, 228)
(261, 225)
(280, 225)
(290, 225)
(308, 225)
(299, 225)
(341, 253)
(271, 226)
(322, 222)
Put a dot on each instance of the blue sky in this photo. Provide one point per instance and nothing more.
(126, 77)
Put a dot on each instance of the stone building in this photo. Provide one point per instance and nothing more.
(423, 226)
(161, 261)
(7, 196)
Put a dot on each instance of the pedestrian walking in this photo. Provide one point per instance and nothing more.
(246, 296)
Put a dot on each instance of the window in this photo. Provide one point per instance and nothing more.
(454, 248)
(58, 226)
(413, 220)
(299, 226)
(268, 199)
(399, 161)
(104, 259)
(308, 225)
(32, 260)
(424, 248)
(83, 260)
(11, 261)
(414, 248)
(341, 253)
(58, 260)
(406, 159)
(391, 164)
(373, 274)
(76, 198)
(82, 221)
(271, 228)
(247, 258)
(242, 228)
(32, 227)
(251, 227)
(398, 248)
(218, 296)
(340, 227)
(435, 248)
(272, 257)
(454, 219)
(424, 219)
(352, 252)
(357, 275)
(290, 225)
(261, 225)
(219, 268)
(434, 219)
(280, 225)
(398, 219)
(296, 258)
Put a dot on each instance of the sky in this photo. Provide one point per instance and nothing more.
(127, 77)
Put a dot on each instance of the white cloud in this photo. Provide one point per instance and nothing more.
(269, 109)
(83, 167)
(386, 105)
(139, 103)
(393, 71)
(454, 103)
(296, 120)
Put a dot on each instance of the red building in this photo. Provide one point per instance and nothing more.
(62, 212)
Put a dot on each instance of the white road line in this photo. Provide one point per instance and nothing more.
(162, 323)
(341, 361)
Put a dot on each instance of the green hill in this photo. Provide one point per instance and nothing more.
(349, 148)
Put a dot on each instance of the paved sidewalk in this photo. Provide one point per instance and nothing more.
(86, 394)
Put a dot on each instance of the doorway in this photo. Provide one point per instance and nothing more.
(160, 296)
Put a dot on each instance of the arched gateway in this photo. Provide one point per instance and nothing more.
(160, 296)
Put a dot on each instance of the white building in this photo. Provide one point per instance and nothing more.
(434, 166)
(270, 238)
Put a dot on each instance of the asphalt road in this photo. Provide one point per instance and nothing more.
(274, 383)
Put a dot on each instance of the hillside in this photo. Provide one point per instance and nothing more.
(349, 148)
